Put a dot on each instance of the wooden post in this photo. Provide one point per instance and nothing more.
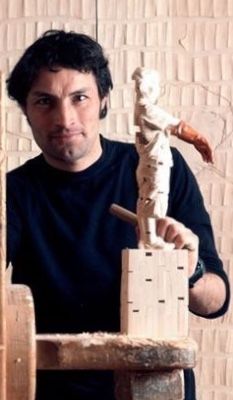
(2, 246)
(17, 325)
(21, 344)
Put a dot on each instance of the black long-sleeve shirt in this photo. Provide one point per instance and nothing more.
(66, 246)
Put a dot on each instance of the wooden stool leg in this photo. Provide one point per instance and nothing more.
(21, 344)
(149, 385)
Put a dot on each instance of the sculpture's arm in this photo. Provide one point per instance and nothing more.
(185, 132)
(157, 118)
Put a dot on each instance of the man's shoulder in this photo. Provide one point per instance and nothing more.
(24, 170)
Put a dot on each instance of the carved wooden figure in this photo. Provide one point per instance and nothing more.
(154, 291)
(155, 126)
(155, 160)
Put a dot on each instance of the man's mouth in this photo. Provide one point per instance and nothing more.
(65, 135)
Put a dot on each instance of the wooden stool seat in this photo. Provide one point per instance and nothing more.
(145, 369)
(113, 351)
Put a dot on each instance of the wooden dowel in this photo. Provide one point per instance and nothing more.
(124, 214)
(131, 217)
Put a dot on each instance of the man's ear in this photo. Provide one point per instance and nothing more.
(103, 108)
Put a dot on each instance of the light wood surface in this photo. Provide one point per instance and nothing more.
(124, 214)
(154, 293)
(21, 344)
(113, 351)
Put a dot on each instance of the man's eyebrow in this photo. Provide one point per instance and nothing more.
(79, 91)
(40, 93)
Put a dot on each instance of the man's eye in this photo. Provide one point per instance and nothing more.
(44, 101)
(79, 98)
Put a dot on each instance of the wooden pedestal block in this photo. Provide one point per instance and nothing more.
(154, 293)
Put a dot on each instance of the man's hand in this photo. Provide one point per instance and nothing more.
(175, 232)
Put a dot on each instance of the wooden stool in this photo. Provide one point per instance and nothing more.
(145, 369)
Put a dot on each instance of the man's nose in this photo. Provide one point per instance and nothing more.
(65, 115)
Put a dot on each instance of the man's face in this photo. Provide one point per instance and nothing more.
(63, 110)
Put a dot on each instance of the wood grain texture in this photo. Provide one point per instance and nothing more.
(154, 293)
(149, 386)
(21, 344)
(113, 351)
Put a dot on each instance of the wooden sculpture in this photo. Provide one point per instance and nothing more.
(154, 297)
(155, 160)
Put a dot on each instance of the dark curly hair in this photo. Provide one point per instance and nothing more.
(59, 49)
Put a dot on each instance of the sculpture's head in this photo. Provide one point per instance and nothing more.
(147, 84)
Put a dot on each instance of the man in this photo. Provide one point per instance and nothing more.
(62, 241)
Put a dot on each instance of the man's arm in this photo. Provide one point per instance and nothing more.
(210, 292)
(208, 295)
